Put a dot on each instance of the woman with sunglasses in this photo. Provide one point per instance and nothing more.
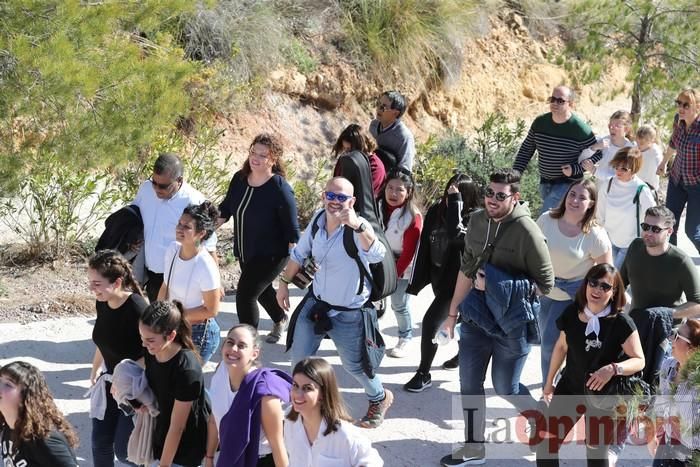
(575, 242)
(437, 263)
(684, 183)
(265, 226)
(677, 441)
(192, 276)
(623, 200)
(33, 432)
(598, 341)
(318, 430)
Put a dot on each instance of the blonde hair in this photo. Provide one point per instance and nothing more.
(647, 133)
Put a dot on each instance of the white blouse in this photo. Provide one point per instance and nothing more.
(345, 447)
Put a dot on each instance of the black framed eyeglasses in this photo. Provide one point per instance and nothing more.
(500, 196)
(556, 100)
(162, 186)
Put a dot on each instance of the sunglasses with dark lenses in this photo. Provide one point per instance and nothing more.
(654, 228)
(162, 186)
(556, 100)
(596, 284)
(383, 107)
(500, 196)
(341, 198)
(680, 103)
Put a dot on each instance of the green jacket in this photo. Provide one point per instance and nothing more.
(519, 248)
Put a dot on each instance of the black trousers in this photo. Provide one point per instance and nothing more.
(562, 414)
(155, 280)
(434, 317)
(255, 285)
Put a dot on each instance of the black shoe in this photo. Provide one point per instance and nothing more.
(469, 454)
(451, 364)
(419, 382)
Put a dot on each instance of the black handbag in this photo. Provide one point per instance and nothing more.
(629, 391)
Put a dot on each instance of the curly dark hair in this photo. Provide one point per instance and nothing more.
(276, 153)
(204, 216)
(38, 415)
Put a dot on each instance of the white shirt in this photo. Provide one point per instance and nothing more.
(345, 447)
(617, 212)
(222, 397)
(397, 224)
(160, 216)
(651, 158)
(190, 278)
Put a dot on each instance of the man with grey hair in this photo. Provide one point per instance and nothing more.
(161, 199)
(559, 137)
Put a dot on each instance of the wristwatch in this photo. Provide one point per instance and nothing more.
(361, 228)
(617, 368)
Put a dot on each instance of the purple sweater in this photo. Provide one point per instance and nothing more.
(239, 429)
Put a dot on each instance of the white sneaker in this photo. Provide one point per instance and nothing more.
(400, 350)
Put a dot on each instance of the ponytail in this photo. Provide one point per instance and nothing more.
(165, 317)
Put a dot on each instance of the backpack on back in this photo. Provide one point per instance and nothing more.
(381, 275)
(388, 158)
(635, 201)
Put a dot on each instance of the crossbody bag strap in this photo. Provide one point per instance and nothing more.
(170, 274)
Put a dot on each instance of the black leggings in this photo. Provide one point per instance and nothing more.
(434, 317)
(255, 285)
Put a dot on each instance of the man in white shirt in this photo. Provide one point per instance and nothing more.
(161, 199)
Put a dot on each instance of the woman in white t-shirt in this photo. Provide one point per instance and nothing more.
(623, 200)
(575, 244)
(318, 431)
(191, 276)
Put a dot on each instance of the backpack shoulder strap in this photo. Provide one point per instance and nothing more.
(353, 252)
(609, 185)
(636, 202)
(314, 224)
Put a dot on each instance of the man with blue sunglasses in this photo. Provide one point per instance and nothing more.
(337, 301)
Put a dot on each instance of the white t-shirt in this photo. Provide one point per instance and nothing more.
(190, 278)
(572, 257)
(222, 396)
(603, 170)
(345, 447)
(651, 158)
(617, 211)
(160, 216)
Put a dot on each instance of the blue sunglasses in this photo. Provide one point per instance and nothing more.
(330, 196)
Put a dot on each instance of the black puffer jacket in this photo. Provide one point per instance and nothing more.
(440, 272)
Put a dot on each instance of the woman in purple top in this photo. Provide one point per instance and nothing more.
(247, 421)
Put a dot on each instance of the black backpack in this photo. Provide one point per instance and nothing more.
(122, 228)
(388, 158)
(381, 275)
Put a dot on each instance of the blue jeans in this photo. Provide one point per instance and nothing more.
(400, 305)
(677, 196)
(347, 335)
(110, 435)
(206, 343)
(476, 349)
(618, 255)
(550, 311)
(552, 193)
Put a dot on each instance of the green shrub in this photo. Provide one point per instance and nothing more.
(308, 187)
(493, 145)
(417, 39)
(300, 56)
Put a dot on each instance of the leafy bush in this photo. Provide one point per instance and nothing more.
(308, 186)
(300, 56)
(57, 207)
(493, 145)
(415, 38)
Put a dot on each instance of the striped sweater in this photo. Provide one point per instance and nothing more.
(557, 144)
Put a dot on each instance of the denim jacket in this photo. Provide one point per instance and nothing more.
(506, 305)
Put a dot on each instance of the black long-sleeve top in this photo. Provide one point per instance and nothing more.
(264, 217)
(426, 270)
